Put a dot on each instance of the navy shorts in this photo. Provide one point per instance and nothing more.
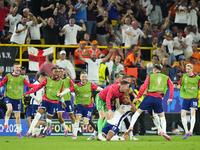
(69, 107)
(29, 111)
(34, 109)
(151, 102)
(15, 104)
(109, 127)
(86, 112)
(188, 104)
(51, 108)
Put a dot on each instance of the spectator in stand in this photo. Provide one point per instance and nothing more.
(118, 77)
(181, 15)
(165, 66)
(118, 67)
(194, 61)
(113, 8)
(168, 47)
(133, 60)
(178, 49)
(86, 38)
(146, 41)
(125, 24)
(34, 31)
(194, 48)
(181, 68)
(138, 12)
(94, 48)
(145, 3)
(187, 43)
(104, 28)
(84, 53)
(101, 8)
(62, 62)
(51, 33)
(161, 37)
(127, 8)
(195, 34)
(70, 9)
(154, 61)
(172, 8)
(164, 6)
(192, 14)
(104, 74)
(19, 4)
(134, 33)
(26, 12)
(13, 19)
(107, 50)
(47, 8)
(154, 44)
(120, 52)
(154, 31)
(114, 40)
(133, 48)
(142, 70)
(93, 65)
(174, 31)
(92, 11)
(4, 12)
(70, 30)
(154, 13)
(47, 66)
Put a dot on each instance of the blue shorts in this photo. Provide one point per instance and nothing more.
(29, 111)
(150, 111)
(34, 109)
(51, 108)
(69, 107)
(151, 102)
(15, 104)
(109, 127)
(188, 104)
(86, 112)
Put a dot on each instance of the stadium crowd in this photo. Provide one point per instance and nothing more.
(170, 26)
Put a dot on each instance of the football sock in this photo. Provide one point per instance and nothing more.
(192, 123)
(163, 124)
(92, 124)
(6, 120)
(184, 122)
(104, 123)
(35, 120)
(18, 128)
(156, 121)
(76, 126)
(64, 126)
(48, 122)
(100, 123)
(134, 118)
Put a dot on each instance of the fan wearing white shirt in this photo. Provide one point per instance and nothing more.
(92, 65)
(195, 34)
(118, 67)
(62, 62)
(181, 15)
(178, 49)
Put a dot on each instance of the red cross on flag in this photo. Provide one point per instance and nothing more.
(37, 57)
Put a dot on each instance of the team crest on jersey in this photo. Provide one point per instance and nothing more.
(159, 80)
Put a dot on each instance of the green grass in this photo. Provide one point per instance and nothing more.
(81, 143)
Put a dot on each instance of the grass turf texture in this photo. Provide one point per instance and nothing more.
(81, 143)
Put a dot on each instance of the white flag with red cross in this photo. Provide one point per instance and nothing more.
(37, 57)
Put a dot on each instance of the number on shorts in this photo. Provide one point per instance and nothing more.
(70, 107)
(89, 114)
(114, 128)
(18, 106)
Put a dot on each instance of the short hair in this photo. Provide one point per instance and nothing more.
(124, 82)
(154, 25)
(142, 60)
(132, 46)
(110, 43)
(72, 17)
(155, 56)
(180, 31)
(60, 68)
(139, 82)
(53, 68)
(82, 72)
(125, 77)
(189, 29)
(24, 17)
(118, 76)
(190, 65)
(43, 74)
(26, 9)
(159, 25)
(132, 76)
(15, 63)
(60, 6)
(50, 57)
(158, 67)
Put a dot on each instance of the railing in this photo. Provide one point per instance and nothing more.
(20, 59)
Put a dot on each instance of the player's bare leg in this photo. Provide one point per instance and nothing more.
(28, 121)
(163, 124)
(109, 135)
(7, 116)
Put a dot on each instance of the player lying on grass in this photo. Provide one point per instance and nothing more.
(189, 85)
(83, 100)
(113, 125)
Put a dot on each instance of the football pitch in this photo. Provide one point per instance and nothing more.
(81, 143)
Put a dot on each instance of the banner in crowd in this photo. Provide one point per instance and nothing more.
(7, 58)
(37, 57)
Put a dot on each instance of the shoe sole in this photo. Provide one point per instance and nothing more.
(167, 137)
(127, 132)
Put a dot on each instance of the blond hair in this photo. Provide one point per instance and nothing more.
(190, 65)
(118, 76)
(82, 72)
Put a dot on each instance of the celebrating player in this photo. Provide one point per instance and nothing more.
(188, 86)
(67, 97)
(50, 100)
(103, 103)
(35, 102)
(83, 100)
(157, 85)
(14, 90)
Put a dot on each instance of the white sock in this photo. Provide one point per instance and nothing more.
(30, 130)
(184, 122)
(163, 124)
(76, 126)
(115, 138)
(48, 122)
(35, 121)
(64, 126)
(134, 119)
(192, 123)
(156, 121)
(36, 131)
(131, 134)
(85, 125)
(18, 128)
(94, 133)
(6, 120)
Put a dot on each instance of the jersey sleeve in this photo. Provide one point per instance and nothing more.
(5, 79)
(93, 86)
(108, 98)
(71, 83)
(144, 87)
(179, 83)
(171, 88)
(37, 87)
(28, 84)
(72, 89)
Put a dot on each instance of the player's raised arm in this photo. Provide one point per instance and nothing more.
(5, 79)
(28, 84)
(95, 87)
(144, 87)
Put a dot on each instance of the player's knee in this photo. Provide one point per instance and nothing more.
(108, 139)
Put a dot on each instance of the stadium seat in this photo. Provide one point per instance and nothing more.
(132, 71)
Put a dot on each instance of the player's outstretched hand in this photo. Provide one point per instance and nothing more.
(64, 105)
(59, 94)
(168, 101)
(111, 114)
(135, 100)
